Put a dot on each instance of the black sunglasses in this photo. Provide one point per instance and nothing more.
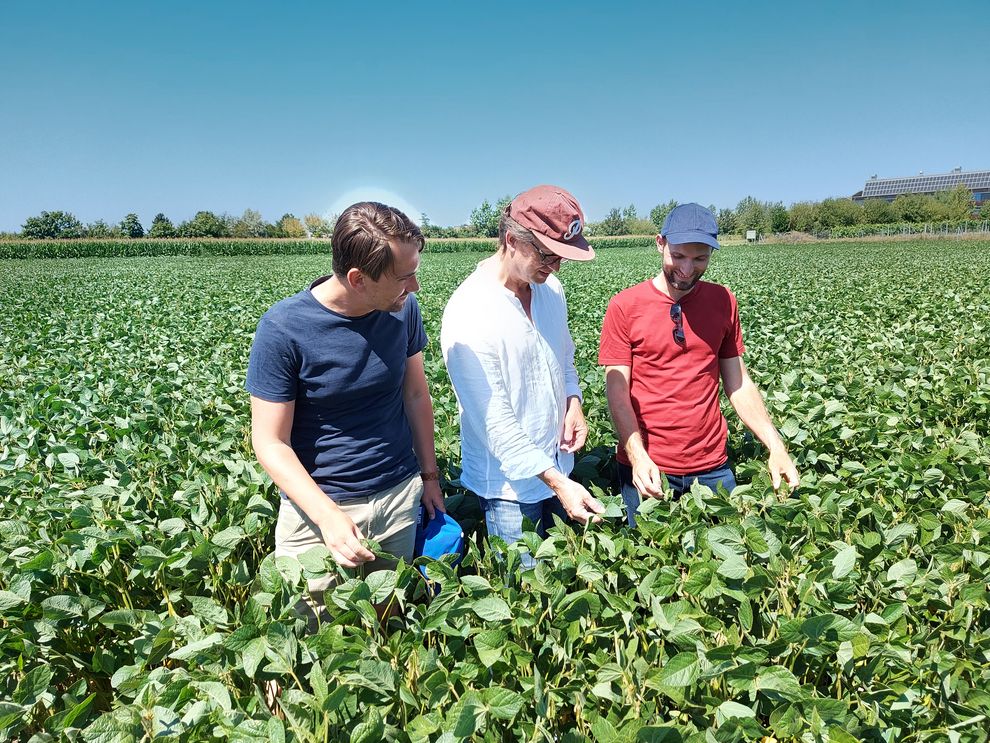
(678, 318)
(545, 258)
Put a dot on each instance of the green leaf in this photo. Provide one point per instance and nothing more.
(465, 716)
(700, 580)
(68, 460)
(62, 607)
(681, 670)
(12, 713)
(780, 680)
(195, 648)
(314, 560)
(216, 692)
(9, 599)
(502, 703)
(228, 538)
(491, 609)
(829, 627)
(371, 729)
(208, 610)
(76, 712)
(289, 568)
(252, 655)
(490, 646)
(903, 573)
(382, 585)
(734, 568)
(955, 506)
(844, 561)
(32, 686)
(728, 710)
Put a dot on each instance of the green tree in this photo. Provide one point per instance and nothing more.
(101, 230)
(52, 225)
(801, 216)
(319, 227)
(726, 221)
(204, 224)
(428, 228)
(131, 227)
(915, 207)
(751, 214)
(659, 213)
(878, 211)
(985, 210)
(289, 226)
(486, 217)
(161, 226)
(777, 217)
(955, 203)
(613, 224)
(831, 213)
(249, 224)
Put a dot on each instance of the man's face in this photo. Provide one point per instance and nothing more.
(685, 264)
(389, 292)
(536, 263)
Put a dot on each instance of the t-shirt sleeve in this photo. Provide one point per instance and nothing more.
(273, 367)
(732, 344)
(414, 326)
(614, 348)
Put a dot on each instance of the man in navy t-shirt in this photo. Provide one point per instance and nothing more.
(341, 417)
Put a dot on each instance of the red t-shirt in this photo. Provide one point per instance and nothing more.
(674, 388)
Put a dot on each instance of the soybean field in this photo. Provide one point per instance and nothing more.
(139, 601)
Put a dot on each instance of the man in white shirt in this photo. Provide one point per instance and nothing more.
(511, 360)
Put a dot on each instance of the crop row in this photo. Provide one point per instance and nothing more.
(118, 248)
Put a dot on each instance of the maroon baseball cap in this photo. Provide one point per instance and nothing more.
(555, 219)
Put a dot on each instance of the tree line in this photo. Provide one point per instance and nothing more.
(57, 225)
(764, 217)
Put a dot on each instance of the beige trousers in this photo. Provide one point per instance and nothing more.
(388, 517)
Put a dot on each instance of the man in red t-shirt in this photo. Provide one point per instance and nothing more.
(665, 344)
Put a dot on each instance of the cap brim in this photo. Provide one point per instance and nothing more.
(575, 249)
(691, 236)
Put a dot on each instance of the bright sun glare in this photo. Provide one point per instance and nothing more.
(373, 193)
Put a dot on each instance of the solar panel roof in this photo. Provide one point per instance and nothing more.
(877, 187)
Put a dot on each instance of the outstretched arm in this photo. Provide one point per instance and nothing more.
(748, 403)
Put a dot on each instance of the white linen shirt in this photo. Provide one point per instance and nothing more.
(512, 378)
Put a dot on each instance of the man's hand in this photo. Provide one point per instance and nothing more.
(780, 465)
(432, 498)
(579, 504)
(575, 426)
(343, 539)
(647, 478)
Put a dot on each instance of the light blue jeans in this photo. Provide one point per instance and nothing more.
(504, 519)
(680, 484)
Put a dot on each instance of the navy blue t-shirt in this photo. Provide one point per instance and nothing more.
(349, 429)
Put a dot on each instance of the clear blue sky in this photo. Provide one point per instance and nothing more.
(116, 107)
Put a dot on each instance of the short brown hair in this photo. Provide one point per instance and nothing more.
(361, 235)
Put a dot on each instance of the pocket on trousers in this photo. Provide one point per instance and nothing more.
(293, 530)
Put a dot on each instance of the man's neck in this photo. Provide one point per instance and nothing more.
(660, 282)
(505, 276)
(333, 295)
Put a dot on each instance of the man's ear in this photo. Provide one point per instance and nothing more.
(661, 242)
(355, 279)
